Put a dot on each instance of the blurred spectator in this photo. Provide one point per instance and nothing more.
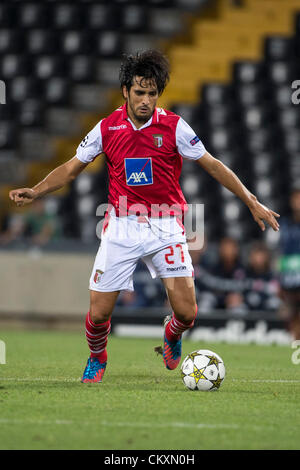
(289, 265)
(220, 284)
(230, 274)
(263, 287)
(37, 226)
(12, 228)
(206, 298)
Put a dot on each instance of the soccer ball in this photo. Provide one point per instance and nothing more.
(203, 370)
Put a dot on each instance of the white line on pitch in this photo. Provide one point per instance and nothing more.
(60, 379)
(121, 424)
(39, 379)
(136, 425)
(267, 380)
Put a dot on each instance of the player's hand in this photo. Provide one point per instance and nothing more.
(22, 196)
(261, 213)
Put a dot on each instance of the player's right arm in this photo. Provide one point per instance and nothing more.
(58, 178)
(88, 149)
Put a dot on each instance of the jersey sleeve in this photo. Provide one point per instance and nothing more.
(188, 143)
(91, 145)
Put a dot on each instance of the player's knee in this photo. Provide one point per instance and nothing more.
(98, 315)
(187, 314)
(102, 305)
(192, 313)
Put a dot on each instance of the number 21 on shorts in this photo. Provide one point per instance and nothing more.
(169, 256)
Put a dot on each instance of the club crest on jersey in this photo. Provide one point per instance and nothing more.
(157, 140)
(138, 171)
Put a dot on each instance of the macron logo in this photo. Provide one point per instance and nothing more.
(117, 128)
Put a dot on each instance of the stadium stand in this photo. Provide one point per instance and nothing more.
(231, 81)
(60, 62)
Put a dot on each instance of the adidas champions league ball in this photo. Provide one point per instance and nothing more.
(203, 370)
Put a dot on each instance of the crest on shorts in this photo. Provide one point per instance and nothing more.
(97, 276)
(157, 140)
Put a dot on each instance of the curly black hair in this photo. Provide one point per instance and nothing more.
(150, 64)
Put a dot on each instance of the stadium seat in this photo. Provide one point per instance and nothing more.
(258, 140)
(250, 94)
(107, 71)
(281, 72)
(291, 141)
(86, 205)
(48, 66)
(75, 42)
(88, 229)
(8, 135)
(263, 187)
(83, 184)
(12, 65)
(41, 42)
(53, 205)
(67, 16)
(188, 112)
(11, 41)
(31, 113)
(165, 24)
(219, 115)
(263, 164)
(247, 72)
(289, 118)
(102, 16)
(190, 185)
(216, 94)
(282, 96)
(221, 139)
(233, 211)
(57, 91)
(81, 69)
(107, 44)
(256, 117)
(22, 88)
(134, 18)
(32, 15)
(279, 48)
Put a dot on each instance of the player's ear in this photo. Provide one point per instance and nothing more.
(125, 92)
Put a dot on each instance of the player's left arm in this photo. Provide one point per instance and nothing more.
(229, 179)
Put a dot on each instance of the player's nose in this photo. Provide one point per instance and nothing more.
(146, 100)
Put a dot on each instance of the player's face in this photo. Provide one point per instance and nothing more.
(141, 99)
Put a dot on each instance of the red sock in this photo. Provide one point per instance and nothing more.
(175, 328)
(96, 335)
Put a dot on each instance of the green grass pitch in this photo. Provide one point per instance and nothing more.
(140, 404)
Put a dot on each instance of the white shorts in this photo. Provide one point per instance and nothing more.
(160, 243)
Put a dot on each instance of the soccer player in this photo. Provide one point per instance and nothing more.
(144, 147)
